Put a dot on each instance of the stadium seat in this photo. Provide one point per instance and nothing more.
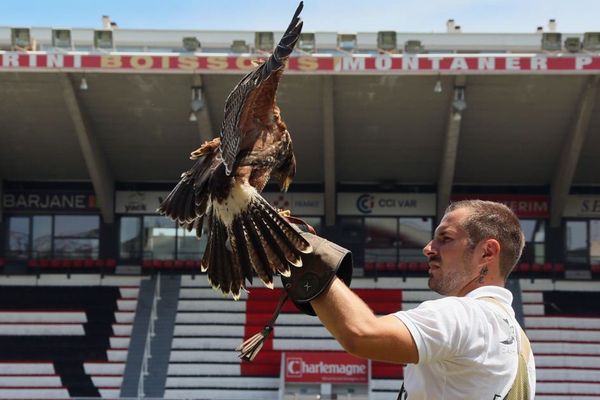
(111, 263)
(99, 263)
(536, 267)
(596, 268)
(559, 268)
(402, 266)
(369, 266)
(55, 263)
(147, 264)
(157, 264)
(88, 263)
(423, 266)
(78, 263)
(179, 264)
(33, 263)
(548, 268)
(44, 263)
(168, 264)
(390, 266)
(2, 262)
(66, 263)
(380, 266)
(189, 264)
(524, 267)
(413, 266)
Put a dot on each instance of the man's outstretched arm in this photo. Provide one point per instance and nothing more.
(359, 331)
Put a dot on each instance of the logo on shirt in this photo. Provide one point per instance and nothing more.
(510, 332)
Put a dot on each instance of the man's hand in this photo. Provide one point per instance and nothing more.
(318, 270)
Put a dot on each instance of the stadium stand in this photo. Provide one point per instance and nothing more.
(563, 323)
(62, 338)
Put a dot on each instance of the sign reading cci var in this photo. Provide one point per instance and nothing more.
(392, 204)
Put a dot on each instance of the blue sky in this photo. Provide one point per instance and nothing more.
(319, 15)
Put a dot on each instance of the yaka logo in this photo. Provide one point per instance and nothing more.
(365, 203)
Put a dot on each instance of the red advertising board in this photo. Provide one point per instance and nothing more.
(380, 64)
(525, 206)
(330, 367)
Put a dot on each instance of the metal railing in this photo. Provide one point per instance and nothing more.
(148, 343)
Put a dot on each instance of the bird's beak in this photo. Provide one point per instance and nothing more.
(286, 184)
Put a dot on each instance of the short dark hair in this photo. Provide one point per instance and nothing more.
(491, 220)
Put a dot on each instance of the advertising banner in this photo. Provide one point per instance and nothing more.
(298, 203)
(400, 64)
(386, 204)
(38, 200)
(134, 202)
(325, 367)
(583, 206)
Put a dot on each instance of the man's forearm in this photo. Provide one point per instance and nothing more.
(359, 330)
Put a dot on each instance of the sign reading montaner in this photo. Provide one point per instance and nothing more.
(331, 367)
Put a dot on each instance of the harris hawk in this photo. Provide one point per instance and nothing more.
(245, 234)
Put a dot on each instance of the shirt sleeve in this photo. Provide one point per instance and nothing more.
(440, 328)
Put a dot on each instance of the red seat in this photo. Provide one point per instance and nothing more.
(402, 266)
(559, 267)
(424, 266)
(44, 263)
(111, 263)
(548, 268)
(147, 264)
(179, 264)
(536, 267)
(596, 268)
(413, 266)
(380, 266)
(524, 267)
(168, 264)
(66, 263)
(369, 266)
(157, 264)
(189, 264)
(77, 263)
(99, 263)
(2, 262)
(55, 263)
(390, 266)
(33, 263)
(88, 263)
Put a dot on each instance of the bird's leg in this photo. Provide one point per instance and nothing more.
(207, 147)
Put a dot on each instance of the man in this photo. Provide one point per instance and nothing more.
(463, 346)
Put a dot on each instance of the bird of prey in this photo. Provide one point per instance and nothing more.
(245, 234)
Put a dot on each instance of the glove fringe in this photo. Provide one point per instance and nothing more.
(250, 348)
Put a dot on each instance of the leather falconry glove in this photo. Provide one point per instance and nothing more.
(305, 283)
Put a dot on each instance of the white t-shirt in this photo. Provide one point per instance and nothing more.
(468, 348)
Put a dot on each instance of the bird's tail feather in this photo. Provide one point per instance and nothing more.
(258, 240)
(188, 201)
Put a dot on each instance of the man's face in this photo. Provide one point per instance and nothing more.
(452, 264)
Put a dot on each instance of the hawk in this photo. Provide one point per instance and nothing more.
(245, 234)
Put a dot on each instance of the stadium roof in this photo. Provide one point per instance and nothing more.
(530, 119)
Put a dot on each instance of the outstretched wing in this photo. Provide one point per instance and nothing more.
(241, 102)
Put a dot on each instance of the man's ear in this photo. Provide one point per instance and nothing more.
(491, 250)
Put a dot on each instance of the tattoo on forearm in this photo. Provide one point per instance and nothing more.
(484, 271)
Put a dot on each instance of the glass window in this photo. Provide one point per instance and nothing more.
(415, 232)
(535, 236)
(130, 238)
(577, 239)
(76, 226)
(595, 241)
(159, 238)
(381, 239)
(188, 246)
(18, 237)
(76, 248)
(42, 236)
